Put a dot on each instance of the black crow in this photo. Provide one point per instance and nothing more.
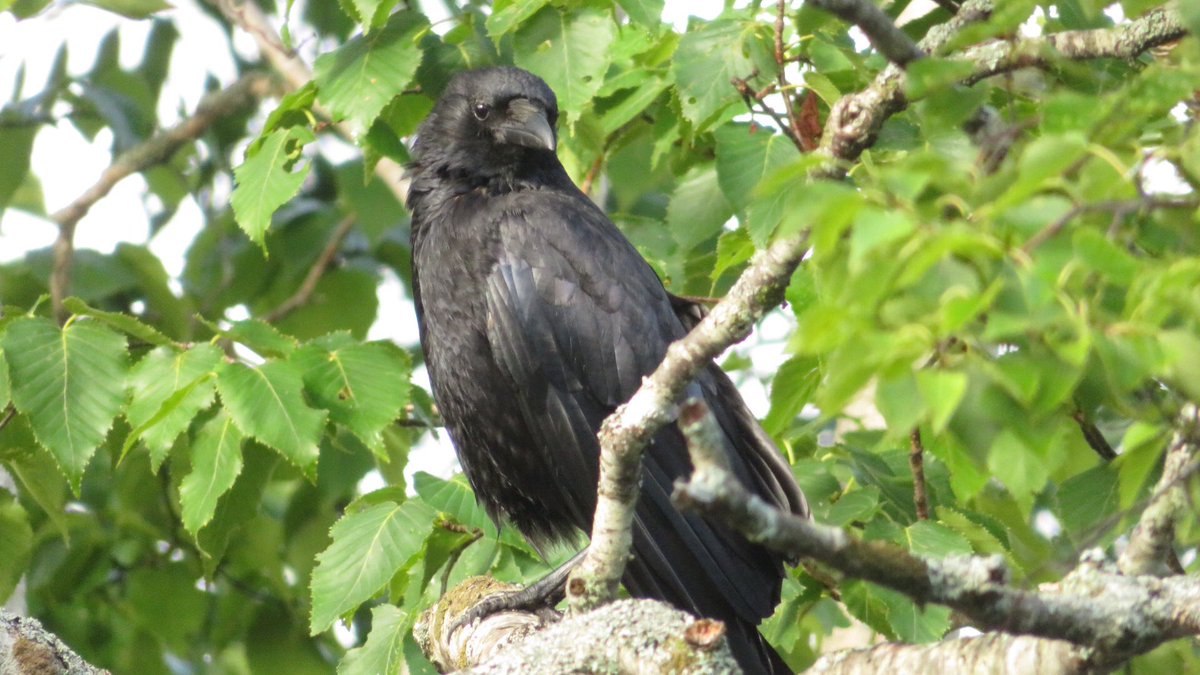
(538, 318)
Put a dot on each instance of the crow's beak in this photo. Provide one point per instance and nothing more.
(527, 126)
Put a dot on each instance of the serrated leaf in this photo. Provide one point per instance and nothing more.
(216, 463)
(122, 322)
(455, 498)
(569, 49)
(704, 65)
(267, 403)
(358, 79)
(159, 409)
(262, 337)
(364, 386)
(368, 548)
(266, 180)
(383, 652)
(16, 540)
(934, 540)
(70, 383)
(507, 15)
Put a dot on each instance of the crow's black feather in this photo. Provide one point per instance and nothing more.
(538, 318)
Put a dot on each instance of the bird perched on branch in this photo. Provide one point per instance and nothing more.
(538, 318)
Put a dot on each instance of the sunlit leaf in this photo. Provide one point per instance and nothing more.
(216, 463)
(267, 403)
(69, 382)
(368, 548)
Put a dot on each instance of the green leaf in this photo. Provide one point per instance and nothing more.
(926, 76)
(793, 386)
(507, 15)
(569, 49)
(1087, 498)
(133, 9)
(16, 540)
(646, 12)
(363, 386)
(358, 79)
(942, 391)
(265, 181)
(453, 497)
(368, 548)
(934, 540)
(383, 652)
(262, 337)
(876, 228)
(159, 409)
(372, 13)
(70, 383)
(704, 65)
(216, 463)
(36, 473)
(745, 155)
(18, 149)
(1042, 164)
(853, 506)
(697, 211)
(267, 403)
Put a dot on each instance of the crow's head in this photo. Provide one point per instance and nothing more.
(489, 121)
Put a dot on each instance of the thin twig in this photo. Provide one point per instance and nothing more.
(1119, 208)
(916, 461)
(593, 172)
(320, 265)
(156, 150)
(250, 18)
(793, 125)
(9, 413)
(1094, 438)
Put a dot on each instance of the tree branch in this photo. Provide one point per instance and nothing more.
(878, 27)
(250, 18)
(1112, 616)
(27, 647)
(1150, 546)
(156, 150)
(1126, 41)
(625, 433)
(982, 654)
(305, 291)
(916, 462)
(629, 636)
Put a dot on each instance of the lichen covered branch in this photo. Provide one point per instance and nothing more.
(1111, 615)
(1150, 546)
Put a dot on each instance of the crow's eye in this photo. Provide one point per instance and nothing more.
(481, 110)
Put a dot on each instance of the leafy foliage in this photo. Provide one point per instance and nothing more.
(1011, 298)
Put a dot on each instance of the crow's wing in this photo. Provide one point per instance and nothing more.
(575, 319)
